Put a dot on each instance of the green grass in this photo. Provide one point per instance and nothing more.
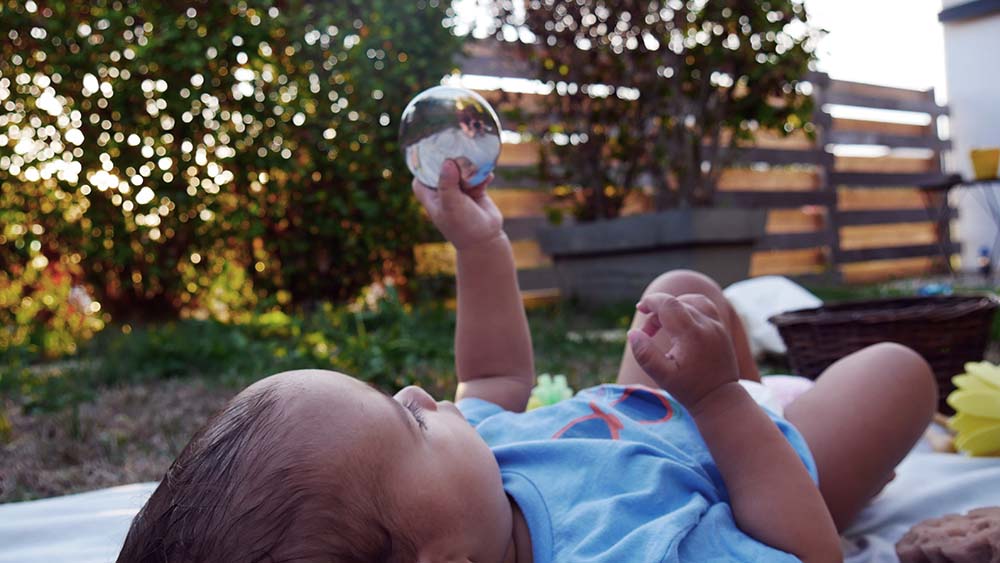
(391, 346)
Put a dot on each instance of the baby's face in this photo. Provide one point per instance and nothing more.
(440, 477)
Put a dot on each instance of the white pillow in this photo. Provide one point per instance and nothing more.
(758, 299)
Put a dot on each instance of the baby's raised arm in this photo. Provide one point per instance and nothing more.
(493, 354)
(772, 496)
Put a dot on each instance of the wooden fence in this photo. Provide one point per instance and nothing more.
(830, 218)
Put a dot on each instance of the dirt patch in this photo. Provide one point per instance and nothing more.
(127, 435)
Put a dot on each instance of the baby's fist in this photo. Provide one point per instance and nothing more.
(683, 346)
(464, 214)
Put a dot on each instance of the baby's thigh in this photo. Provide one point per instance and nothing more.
(862, 417)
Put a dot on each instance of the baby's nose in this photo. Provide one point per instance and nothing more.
(418, 396)
(449, 406)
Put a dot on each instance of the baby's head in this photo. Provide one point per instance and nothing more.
(318, 466)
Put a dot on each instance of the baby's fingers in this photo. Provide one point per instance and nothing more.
(702, 305)
(669, 310)
(659, 365)
(651, 325)
(426, 196)
(479, 190)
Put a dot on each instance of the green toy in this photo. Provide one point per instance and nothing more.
(549, 391)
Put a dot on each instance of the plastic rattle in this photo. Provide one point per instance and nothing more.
(549, 391)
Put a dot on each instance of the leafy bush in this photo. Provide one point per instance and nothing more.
(41, 314)
(156, 144)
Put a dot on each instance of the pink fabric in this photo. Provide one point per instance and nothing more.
(786, 388)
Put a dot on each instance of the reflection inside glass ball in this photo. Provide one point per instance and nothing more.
(443, 123)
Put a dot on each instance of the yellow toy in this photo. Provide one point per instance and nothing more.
(976, 401)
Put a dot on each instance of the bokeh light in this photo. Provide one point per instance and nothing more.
(254, 135)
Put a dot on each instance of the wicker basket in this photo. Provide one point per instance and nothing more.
(946, 331)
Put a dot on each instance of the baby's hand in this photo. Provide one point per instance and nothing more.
(465, 215)
(683, 346)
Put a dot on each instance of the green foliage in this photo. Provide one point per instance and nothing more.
(173, 149)
(655, 94)
(380, 340)
(41, 315)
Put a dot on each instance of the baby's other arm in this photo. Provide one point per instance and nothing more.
(772, 496)
(493, 354)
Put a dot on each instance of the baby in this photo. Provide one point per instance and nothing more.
(674, 463)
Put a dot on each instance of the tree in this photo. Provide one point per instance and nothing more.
(152, 147)
(659, 92)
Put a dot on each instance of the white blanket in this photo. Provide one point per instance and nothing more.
(84, 528)
(90, 527)
(927, 485)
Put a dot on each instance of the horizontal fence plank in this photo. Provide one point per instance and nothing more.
(846, 87)
(796, 220)
(883, 139)
(534, 279)
(858, 237)
(883, 216)
(790, 241)
(774, 199)
(885, 164)
(788, 262)
(825, 278)
(439, 257)
(780, 156)
(788, 179)
(843, 124)
(520, 202)
(870, 272)
(517, 155)
(518, 228)
(771, 139)
(861, 199)
(519, 177)
(888, 180)
(892, 252)
(886, 103)
(528, 254)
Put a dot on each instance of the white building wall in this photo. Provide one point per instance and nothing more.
(972, 59)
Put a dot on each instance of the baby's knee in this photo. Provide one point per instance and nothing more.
(681, 282)
(909, 371)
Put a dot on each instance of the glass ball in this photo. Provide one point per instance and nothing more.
(443, 123)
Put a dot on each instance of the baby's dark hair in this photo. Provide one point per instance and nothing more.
(242, 491)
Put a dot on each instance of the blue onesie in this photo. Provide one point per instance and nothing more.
(619, 474)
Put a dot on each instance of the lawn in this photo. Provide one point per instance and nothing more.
(120, 410)
(123, 407)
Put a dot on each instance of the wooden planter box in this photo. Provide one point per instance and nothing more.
(613, 261)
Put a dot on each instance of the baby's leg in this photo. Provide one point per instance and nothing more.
(864, 414)
(681, 282)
